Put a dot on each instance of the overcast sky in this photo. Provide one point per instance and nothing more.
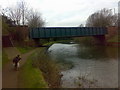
(64, 13)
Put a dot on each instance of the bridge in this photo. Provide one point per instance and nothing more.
(54, 32)
(51, 32)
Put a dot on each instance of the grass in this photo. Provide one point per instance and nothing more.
(59, 41)
(25, 49)
(50, 43)
(31, 77)
(4, 58)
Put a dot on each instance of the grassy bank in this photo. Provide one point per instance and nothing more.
(31, 77)
(4, 58)
(49, 68)
(59, 41)
(25, 49)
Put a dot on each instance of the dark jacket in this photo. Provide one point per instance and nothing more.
(16, 59)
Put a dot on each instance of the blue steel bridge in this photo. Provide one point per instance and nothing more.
(53, 32)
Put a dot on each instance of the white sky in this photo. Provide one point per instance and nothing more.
(59, 13)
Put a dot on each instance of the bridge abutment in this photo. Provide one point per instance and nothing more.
(100, 40)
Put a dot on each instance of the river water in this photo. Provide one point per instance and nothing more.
(86, 67)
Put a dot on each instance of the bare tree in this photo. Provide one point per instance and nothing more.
(18, 13)
(2, 11)
(22, 15)
(102, 18)
(81, 25)
(24, 9)
(15, 14)
(35, 19)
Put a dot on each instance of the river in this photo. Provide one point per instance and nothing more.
(86, 67)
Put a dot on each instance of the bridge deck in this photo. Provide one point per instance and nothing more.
(51, 32)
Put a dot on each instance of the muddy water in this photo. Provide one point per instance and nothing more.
(93, 67)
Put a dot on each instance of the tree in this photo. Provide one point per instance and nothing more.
(5, 26)
(17, 13)
(24, 11)
(22, 15)
(102, 18)
(6, 23)
(35, 20)
(81, 25)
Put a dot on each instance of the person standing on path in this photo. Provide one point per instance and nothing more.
(16, 62)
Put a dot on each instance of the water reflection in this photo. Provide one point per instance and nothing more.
(87, 66)
(97, 52)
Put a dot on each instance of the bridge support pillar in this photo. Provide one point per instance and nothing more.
(37, 41)
(100, 40)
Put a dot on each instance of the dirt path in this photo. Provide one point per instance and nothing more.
(9, 76)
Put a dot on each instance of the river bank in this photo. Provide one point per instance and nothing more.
(49, 68)
(31, 77)
(87, 66)
(62, 65)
